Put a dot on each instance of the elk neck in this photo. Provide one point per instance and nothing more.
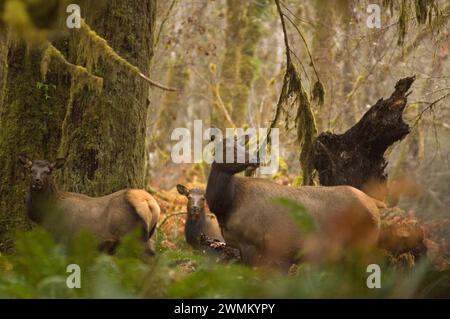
(220, 193)
(41, 201)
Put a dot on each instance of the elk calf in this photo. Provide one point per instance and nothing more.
(108, 218)
(198, 222)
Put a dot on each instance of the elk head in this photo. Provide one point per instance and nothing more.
(40, 171)
(231, 156)
(196, 201)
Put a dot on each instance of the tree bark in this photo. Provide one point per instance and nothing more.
(104, 134)
(30, 121)
(236, 11)
(356, 157)
(248, 65)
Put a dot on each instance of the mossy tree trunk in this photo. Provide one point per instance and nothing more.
(248, 65)
(30, 121)
(323, 51)
(230, 64)
(3, 64)
(104, 134)
(239, 66)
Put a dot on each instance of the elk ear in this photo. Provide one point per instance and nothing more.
(58, 163)
(25, 161)
(183, 190)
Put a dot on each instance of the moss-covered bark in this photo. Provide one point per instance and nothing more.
(236, 10)
(31, 118)
(323, 51)
(104, 134)
(248, 65)
(3, 63)
(50, 105)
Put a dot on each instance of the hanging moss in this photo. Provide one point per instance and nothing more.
(292, 93)
(318, 93)
(425, 10)
(92, 47)
(80, 75)
(103, 135)
(30, 20)
(306, 134)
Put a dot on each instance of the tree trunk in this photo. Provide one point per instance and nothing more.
(323, 51)
(3, 64)
(104, 134)
(356, 158)
(230, 65)
(248, 64)
(30, 121)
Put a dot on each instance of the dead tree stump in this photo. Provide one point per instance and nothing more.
(356, 157)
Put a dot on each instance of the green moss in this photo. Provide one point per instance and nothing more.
(80, 75)
(236, 11)
(248, 64)
(31, 119)
(103, 135)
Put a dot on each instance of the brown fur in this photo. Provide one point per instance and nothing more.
(266, 233)
(198, 222)
(146, 207)
(108, 218)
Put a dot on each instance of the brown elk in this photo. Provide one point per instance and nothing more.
(266, 233)
(198, 221)
(108, 218)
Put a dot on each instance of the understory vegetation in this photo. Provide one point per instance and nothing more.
(38, 269)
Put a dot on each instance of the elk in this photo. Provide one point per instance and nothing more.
(265, 232)
(198, 222)
(108, 218)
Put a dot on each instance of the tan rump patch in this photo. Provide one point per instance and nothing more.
(145, 205)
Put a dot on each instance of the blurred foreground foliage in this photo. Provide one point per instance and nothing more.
(38, 270)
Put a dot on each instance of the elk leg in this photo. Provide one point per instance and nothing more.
(150, 247)
(109, 246)
(249, 254)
